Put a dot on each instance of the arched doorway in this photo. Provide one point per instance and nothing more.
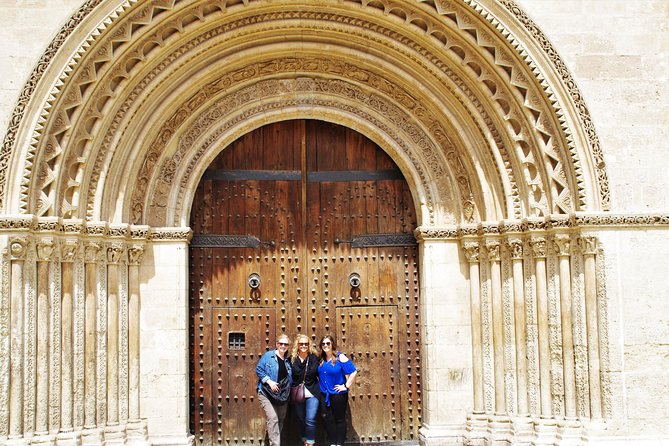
(303, 204)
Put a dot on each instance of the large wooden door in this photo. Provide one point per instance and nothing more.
(303, 204)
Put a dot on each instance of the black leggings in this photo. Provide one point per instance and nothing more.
(335, 417)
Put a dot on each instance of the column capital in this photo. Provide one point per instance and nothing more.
(46, 248)
(92, 251)
(515, 246)
(588, 244)
(561, 244)
(493, 249)
(538, 245)
(472, 250)
(18, 248)
(115, 251)
(68, 249)
(135, 253)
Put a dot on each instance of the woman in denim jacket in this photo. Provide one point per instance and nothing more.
(274, 379)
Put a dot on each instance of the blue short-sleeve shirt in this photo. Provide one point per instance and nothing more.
(330, 375)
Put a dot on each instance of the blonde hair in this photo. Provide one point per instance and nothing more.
(296, 348)
(283, 337)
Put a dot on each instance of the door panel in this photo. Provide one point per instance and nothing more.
(368, 336)
(241, 336)
(287, 201)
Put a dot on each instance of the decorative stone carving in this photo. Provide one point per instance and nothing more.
(92, 251)
(135, 254)
(115, 253)
(68, 250)
(561, 244)
(471, 251)
(515, 248)
(588, 245)
(538, 245)
(18, 248)
(45, 249)
(493, 250)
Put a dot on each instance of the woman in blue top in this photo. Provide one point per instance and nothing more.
(336, 375)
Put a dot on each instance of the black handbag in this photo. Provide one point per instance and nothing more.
(297, 394)
(281, 397)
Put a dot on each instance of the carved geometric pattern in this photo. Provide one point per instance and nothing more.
(89, 67)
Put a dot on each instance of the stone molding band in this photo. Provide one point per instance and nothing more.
(583, 221)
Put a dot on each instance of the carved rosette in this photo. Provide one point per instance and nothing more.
(18, 248)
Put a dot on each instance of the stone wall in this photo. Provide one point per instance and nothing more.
(618, 53)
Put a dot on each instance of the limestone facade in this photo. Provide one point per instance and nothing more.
(534, 140)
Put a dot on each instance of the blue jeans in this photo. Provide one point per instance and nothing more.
(306, 412)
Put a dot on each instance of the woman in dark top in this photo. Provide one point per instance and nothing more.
(304, 364)
(336, 375)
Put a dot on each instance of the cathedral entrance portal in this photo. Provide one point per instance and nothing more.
(299, 208)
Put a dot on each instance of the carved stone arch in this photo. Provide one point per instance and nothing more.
(540, 136)
(185, 169)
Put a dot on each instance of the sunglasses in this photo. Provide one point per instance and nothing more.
(282, 343)
(303, 344)
(326, 343)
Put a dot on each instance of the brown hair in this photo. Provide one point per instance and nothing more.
(333, 346)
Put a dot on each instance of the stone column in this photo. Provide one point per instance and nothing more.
(45, 250)
(515, 246)
(114, 252)
(588, 245)
(136, 428)
(68, 249)
(91, 253)
(493, 250)
(18, 249)
(472, 254)
(538, 245)
(561, 244)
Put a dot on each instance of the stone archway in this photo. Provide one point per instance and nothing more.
(108, 145)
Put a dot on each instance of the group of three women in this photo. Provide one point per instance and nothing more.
(327, 379)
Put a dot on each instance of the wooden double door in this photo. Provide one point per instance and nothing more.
(300, 206)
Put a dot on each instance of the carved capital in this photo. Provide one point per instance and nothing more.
(538, 245)
(588, 244)
(472, 251)
(115, 253)
(45, 249)
(515, 246)
(92, 251)
(562, 244)
(18, 248)
(493, 249)
(68, 250)
(135, 254)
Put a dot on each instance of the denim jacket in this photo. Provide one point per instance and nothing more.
(268, 368)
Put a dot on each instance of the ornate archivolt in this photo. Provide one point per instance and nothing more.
(108, 143)
(498, 143)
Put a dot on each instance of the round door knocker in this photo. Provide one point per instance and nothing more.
(254, 281)
(354, 280)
